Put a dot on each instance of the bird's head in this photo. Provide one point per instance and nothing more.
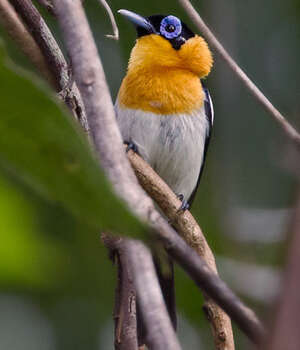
(166, 42)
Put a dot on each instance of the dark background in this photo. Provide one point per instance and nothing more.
(57, 283)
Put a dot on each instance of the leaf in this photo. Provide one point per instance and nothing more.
(41, 145)
(26, 257)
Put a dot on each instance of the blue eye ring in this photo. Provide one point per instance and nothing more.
(170, 27)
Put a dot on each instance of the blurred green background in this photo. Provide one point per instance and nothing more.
(56, 280)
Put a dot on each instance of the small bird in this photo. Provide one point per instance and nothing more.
(165, 112)
(163, 109)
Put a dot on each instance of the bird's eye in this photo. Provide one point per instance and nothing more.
(170, 27)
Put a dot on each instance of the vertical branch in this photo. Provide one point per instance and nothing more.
(125, 297)
(90, 78)
(160, 334)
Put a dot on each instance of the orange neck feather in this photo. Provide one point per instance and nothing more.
(163, 80)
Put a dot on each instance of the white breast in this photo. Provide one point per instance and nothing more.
(172, 144)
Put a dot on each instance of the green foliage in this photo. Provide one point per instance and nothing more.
(25, 256)
(42, 146)
(53, 193)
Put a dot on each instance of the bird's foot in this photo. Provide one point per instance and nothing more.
(184, 204)
(131, 146)
(180, 196)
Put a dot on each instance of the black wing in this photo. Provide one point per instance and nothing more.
(209, 112)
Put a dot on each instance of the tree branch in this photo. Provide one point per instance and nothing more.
(54, 57)
(90, 78)
(190, 231)
(15, 28)
(160, 334)
(290, 131)
(111, 16)
(125, 297)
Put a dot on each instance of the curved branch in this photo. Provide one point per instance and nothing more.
(111, 16)
(42, 35)
(290, 131)
(89, 75)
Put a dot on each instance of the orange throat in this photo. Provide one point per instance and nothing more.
(162, 92)
(162, 80)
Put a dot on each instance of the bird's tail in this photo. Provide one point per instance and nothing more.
(165, 273)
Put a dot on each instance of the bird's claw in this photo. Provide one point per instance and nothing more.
(184, 204)
(180, 196)
(131, 146)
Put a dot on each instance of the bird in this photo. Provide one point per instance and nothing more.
(163, 108)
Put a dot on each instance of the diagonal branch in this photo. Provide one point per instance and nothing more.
(190, 231)
(54, 58)
(290, 131)
(17, 31)
(90, 78)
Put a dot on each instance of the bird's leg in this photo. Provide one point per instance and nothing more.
(184, 203)
(131, 146)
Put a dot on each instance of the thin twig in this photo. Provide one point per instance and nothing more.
(291, 132)
(56, 62)
(125, 298)
(111, 16)
(285, 331)
(188, 228)
(160, 334)
(17, 31)
(90, 78)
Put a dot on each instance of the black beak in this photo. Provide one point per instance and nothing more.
(140, 22)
